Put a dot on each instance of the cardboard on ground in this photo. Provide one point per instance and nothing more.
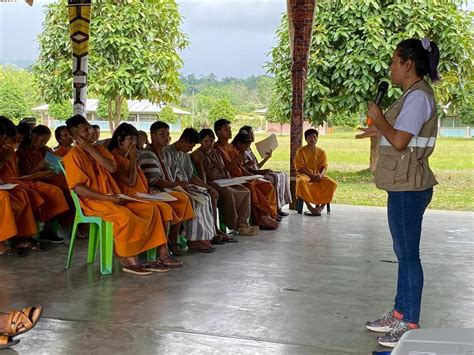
(268, 144)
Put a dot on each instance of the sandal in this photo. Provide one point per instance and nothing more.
(30, 245)
(218, 239)
(203, 250)
(176, 249)
(136, 270)
(308, 213)
(7, 342)
(20, 322)
(171, 262)
(156, 266)
(16, 253)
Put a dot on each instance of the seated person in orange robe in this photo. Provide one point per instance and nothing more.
(137, 226)
(312, 184)
(22, 130)
(132, 180)
(263, 197)
(64, 140)
(10, 136)
(47, 201)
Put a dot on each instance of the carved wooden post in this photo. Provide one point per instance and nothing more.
(79, 21)
(300, 23)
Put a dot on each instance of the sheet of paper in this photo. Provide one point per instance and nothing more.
(7, 186)
(268, 144)
(195, 196)
(228, 182)
(160, 196)
(129, 198)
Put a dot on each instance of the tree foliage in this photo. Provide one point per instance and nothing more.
(104, 110)
(61, 111)
(133, 52)
(167, 115)
(18, 93)
(351, 49)
(222, 109)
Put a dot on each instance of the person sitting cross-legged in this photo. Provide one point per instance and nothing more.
(312, 184)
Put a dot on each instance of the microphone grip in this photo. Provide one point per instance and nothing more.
(369, 121)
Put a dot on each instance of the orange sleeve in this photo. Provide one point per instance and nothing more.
(75, 170)
(322, 159)
(104, 152)
(298, 161)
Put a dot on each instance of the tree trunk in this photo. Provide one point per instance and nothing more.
(281, 129)
(374, 152)
(118, 110)
(110, 115)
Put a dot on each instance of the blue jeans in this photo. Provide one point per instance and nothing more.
(405, 211)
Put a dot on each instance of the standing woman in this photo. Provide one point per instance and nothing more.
(408, 134)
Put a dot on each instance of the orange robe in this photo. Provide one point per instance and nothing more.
(28, 160)
(62, 151)
(137, 226)
(320, 192)
(167, 212)
(262, 192)
(47, 201)
(16, 215)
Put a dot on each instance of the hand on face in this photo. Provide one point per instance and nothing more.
(83, 144)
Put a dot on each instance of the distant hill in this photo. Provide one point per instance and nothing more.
(20, 63)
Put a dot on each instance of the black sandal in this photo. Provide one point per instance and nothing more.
(16, 253)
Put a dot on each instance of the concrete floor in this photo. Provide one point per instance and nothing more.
(307, 288)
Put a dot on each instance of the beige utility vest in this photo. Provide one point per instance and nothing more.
(408, 169)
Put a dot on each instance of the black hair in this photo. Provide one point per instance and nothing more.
(95, 126)
(158, 125)
(75, 121)
(190, 135)
(206, 132)
(310, 131)
(23, 128)
(425, 55)
(221, 122)
(143, 132)
(39, 130)
(246, 129)
(57, 132)
(9, 127)
(3, 130)
(242, 138)
(122, 131)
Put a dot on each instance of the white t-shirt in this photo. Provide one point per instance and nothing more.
(416, 110)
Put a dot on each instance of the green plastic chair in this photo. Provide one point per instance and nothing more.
(100, 235)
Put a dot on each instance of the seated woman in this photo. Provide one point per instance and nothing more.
(264, 205)
(64, 140)
(31, 160)
(312, 186)
(131, 180)
(280, 181)
(47, 201)
(142, 140)
(234, 201)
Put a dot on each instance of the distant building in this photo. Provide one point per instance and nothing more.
(141, 113)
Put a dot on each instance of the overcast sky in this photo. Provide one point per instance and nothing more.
(228, 38)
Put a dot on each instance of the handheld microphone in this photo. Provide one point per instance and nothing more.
(382, 89)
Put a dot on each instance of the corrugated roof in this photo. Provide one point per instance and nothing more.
(134, 107)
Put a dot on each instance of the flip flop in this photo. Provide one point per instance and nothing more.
(16, 253)
(7, 342)
(307, 213)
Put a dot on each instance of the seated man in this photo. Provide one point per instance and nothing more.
(264, 205)
(312, 186)
(233, 201)
(280, 180)
(64, 140)
(47, 201)
(137, 226)
(161, 171)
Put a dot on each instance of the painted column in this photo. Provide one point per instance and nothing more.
(79, 21)
(300, 25)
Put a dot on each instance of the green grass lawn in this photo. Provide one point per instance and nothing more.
(452, 162)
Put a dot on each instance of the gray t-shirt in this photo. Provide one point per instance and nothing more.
(416, 110)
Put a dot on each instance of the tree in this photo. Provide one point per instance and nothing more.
(167, 115)
(351, 48)
(264, 90)
(133, 53)
(222, 109)
(61, 111)
(18, 93)
(107, 109)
